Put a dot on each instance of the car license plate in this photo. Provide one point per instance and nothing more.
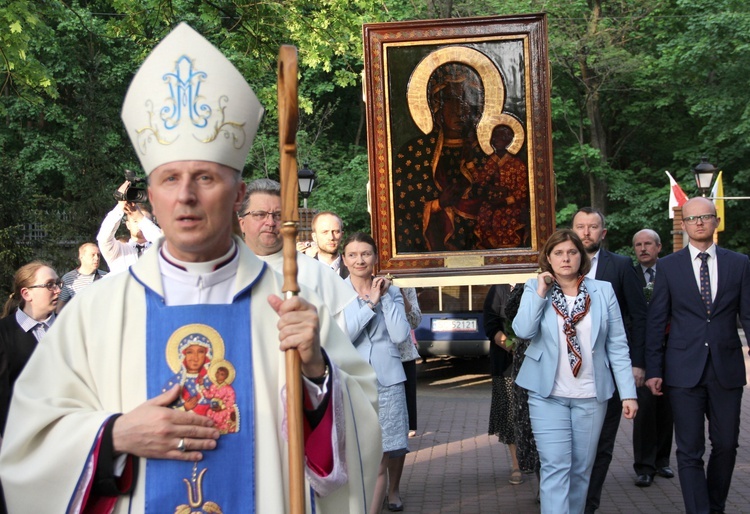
(454, 325)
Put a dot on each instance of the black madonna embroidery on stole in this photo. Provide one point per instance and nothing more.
(195, 354)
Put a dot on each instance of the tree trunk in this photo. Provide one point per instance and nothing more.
(440, 8)
(598, 186)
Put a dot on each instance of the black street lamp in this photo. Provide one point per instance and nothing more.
(306, 178)
(704, 175)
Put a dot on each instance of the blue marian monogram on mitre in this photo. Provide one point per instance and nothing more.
(185, 110)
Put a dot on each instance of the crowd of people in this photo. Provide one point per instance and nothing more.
(593, 337)
(169, 369)
(380, 323)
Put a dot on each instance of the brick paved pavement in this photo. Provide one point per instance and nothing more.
(456, 468)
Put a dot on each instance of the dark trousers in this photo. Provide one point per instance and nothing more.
(410, 386)
(705, 490)
(652, 432)
(604, 452)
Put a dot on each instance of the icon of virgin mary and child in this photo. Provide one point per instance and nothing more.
(205, 378)
(460, 186)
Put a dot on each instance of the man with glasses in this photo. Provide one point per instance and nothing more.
(260, 223)
(699, 292)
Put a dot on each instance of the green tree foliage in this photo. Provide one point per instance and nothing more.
(703, 57)
(21, 72)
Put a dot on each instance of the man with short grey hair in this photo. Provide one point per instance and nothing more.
(652, 427)
(260, 221)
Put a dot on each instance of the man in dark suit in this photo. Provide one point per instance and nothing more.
(652, 426)
(700, 291)
(327, 233)
(590, 226)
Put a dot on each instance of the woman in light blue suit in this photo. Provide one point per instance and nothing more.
(577, 337)
(376, 323)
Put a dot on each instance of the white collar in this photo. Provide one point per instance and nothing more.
(711, 250)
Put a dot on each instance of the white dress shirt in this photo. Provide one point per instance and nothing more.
(594, 265)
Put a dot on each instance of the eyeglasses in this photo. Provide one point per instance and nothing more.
(49, 285)
(263, 215)
(705, 218)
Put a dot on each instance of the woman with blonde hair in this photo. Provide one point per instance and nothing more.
(27, 315)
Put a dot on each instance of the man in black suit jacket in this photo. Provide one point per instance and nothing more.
(652, 426)
(702, 366)
(590, 226)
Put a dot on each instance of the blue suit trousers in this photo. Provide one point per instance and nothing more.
(566, 431)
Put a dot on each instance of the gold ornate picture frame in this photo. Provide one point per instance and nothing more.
(459, 142)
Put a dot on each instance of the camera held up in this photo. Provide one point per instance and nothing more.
(136, 192)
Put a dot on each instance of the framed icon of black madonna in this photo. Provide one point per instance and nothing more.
(459, 143)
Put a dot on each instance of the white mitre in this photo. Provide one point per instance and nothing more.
(189, 103)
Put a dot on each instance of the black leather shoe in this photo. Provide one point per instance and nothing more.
(665, 472)
(644, 480)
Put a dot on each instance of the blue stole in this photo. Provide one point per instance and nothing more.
(206, 349)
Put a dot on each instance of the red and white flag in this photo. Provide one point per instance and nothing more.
(677, 196)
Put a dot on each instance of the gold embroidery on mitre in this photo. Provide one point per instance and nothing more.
(228, 128)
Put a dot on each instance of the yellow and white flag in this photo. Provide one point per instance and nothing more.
(717, 192)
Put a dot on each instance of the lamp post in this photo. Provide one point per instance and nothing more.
(704, 175)
(306, 178)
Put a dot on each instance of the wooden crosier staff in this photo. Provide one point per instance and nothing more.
(288, 121)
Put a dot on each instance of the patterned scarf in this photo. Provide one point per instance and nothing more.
(580, 309)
